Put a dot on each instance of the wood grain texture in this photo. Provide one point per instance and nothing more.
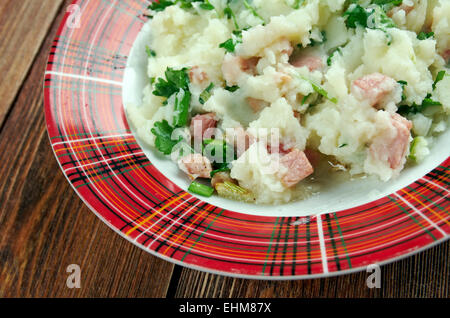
(45, 227)
(23, 27)
(423, 275)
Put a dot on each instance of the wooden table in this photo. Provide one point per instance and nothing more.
(45, 227)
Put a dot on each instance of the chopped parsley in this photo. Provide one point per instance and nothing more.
(161, 5)
(426, 103)
(388, 5)
(415, 109)
(319, 89)
(403, 85)
(164, 142)
(230, 44)
(228, 12)
(424, 36)
(330, 58)
(175, 84)
(297, 3)
(253, 11)
(356, 16)
(181, 108)
(374, 18)
(206, 5)
(439, 78)
(305, 99)
(175, 80)
(150, 52)
(315, 42)
(232, 88)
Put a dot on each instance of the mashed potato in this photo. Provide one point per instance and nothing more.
(288, 84)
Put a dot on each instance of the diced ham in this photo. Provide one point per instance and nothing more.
(373, 88)
(196, 166)
(407, 8)
(231, 69)
(282, 148)
(240, 139)
(249, 65)
(234, 66)
(403, 7)
(312, 62)
(200, 124)
(297, 167)
(256, 104)
(392, 147)
(197, 76)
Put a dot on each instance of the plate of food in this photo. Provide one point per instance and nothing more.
(278, 139)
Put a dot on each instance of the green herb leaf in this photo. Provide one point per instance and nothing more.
(253, 11)
(163, 132)
(319, 89)
(388, 5)
(230, 44)
(305, 99)
(423, 36)
(373, 17)
(150, 52)
(314, 42)
(232, 88)
(356, 16)
(439, 78)
(403, 84)
(297, 3)
(228, 12)
(414, 108)
(161, 5)
(176, 83)
(181, 108)
(175, 80)
(330, 58)
(207, 6)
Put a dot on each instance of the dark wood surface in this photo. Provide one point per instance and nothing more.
(20, 42)
(45, 227)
